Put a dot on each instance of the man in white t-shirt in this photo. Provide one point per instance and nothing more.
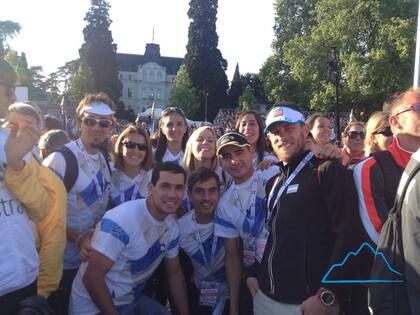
(88, 195)
(128, 245)
(208, 289)
(240, 214)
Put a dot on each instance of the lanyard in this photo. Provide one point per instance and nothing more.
(137, 180)
(285, 184)
(253, 199)
(201, 247)
(92, 171)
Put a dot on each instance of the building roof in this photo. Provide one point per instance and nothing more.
(130, 62)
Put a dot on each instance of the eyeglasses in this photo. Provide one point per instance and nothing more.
(384, 131)
(415, 106)
(172, 109)
(132, 145)
(90, 121)
(355, 134)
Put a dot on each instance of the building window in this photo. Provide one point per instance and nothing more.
(129, 92)
(144, 75)
(159, 76)
(152, 75)
(158, 94)
(129, 77)
(144, 94)
(152, 93)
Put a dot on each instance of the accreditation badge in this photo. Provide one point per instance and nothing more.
(262, 241)
(209, 293)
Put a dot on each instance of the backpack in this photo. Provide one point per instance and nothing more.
(390, 298)
(72, 167)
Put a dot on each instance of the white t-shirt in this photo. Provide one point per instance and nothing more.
(208, 268)
(169, 157)
(19, 260)
(85, 206)
(233, 215)
(271, 171)
(124, 188)
(136, 243)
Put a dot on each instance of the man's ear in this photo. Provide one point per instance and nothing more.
(306, 130)
(394, 122)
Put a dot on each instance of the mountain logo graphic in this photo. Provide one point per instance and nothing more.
(393, 273)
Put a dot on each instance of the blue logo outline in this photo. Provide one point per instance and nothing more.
(376, 253)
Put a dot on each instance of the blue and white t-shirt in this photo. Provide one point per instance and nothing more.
(169, 157)
(234, 214)
(271, 171)
(208, 268)
(87, 201)
(136, 242)
(125, 188)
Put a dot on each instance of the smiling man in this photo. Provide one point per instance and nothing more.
(88, 191)
(128, 245)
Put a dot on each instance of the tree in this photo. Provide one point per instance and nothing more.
(247, 100)
(8, 29)
(254, 82)
(81, 83)
(184, 95)
(205, 64)
(99, 50)
(236, 89)
(376, 44)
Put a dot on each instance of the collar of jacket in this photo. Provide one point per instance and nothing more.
(294, 162)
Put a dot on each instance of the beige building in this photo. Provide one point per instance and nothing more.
(146, 77)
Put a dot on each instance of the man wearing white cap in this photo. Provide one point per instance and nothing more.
(86, 174)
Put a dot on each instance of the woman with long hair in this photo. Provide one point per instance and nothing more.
(133, 164)
(172, 136)
(353, 141)
(251, 126)
(320, 127)
(378, 133)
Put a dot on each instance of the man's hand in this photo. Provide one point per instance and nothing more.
(253, 286)
(314, 306)
(84, 244)
(265, 164)
(328, 151)
(20, 142)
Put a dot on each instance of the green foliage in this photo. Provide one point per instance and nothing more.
(247, 100)
(81, 83)
(205, 64)
(8, 29)
(236, 89)
(99, 50)
(375, 40)
(184, 95)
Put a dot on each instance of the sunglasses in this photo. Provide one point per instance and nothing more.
(384, 131)
(355, 134)
(90, 121)
(173, 109)
(132, 145)
(409, 108)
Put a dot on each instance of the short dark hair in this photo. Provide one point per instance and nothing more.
(167, 167)
(201, 175)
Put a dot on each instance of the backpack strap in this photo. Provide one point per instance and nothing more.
(400, 198)
(72, 167)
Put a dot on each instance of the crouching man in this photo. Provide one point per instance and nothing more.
(128, 245)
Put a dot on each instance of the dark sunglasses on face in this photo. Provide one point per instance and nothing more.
(415, 106)
(355, 134)
(132, 145)
(90, 121)
(384, 131)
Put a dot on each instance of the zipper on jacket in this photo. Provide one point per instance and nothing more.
(307, 287)
(270, 257)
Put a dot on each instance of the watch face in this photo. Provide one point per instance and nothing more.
(327, 298)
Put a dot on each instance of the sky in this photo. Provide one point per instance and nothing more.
(51, 31)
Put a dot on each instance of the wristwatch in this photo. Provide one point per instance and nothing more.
(326, 296)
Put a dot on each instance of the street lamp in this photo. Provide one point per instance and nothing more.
(205, 108)
(333, 69)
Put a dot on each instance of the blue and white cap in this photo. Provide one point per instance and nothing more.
(285, 114)
(98, 108)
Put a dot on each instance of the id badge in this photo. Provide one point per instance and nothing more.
(262, 241)
(249, 257)
(208, 297)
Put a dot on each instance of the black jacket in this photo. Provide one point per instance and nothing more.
(310, 230)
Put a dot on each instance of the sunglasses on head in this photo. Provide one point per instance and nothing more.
(172, 109)
(409, 108)
(384, 131)
(355, 134)
(90, 121)
(132, 145)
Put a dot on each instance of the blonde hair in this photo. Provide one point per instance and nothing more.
(377, 121)
(188, 160)
(118, 157)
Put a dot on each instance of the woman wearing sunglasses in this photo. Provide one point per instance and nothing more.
(353, 141)
(172, 136)
(378, 133)
(133, 162)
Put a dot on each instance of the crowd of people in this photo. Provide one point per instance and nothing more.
(268, 217)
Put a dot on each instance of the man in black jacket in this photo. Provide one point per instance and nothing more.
(312, 224)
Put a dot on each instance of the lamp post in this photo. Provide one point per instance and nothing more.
(205, 108)
(333, 67)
